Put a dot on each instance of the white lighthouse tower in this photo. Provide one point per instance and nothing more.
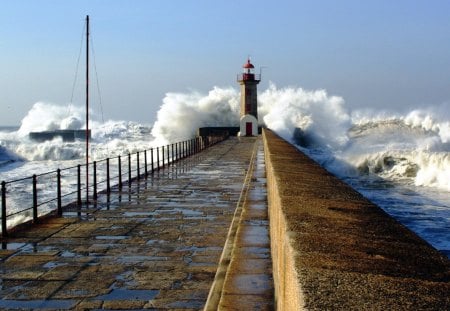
(249, 105)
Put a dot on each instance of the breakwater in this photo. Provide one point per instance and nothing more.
(153, 244)
(332, 249)
(158, 243)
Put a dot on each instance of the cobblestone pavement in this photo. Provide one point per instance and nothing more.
(154, 245)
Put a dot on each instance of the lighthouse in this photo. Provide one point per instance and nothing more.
(249, 105)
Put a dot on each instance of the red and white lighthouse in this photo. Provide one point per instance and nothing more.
(249, 104)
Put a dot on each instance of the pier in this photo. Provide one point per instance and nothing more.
(248, 224)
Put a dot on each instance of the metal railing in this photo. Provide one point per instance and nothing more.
(248, 77)
(46, 193)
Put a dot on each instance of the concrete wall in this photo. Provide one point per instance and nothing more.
(332, 249)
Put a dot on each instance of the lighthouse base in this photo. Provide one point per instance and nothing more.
(248, 126)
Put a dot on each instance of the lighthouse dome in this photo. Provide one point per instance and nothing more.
(248, 65)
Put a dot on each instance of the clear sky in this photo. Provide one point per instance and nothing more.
(379, 54)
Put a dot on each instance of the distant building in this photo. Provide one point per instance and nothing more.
(249, 104)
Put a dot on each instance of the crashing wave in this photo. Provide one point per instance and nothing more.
(7, 156)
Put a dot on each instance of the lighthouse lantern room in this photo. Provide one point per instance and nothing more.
(249, 105)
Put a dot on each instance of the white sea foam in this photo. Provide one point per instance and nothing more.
(412, 149)
(322, 117)
(182, 114)
(108, 138)
(47, 116)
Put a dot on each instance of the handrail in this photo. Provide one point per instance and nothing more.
(47, 188)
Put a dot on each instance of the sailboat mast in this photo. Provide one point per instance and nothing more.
(87, 109)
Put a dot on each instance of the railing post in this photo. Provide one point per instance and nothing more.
(145, 162)
(108, 181)
(95, 180)
(58, 182)
(176, 151)
(129, 169)
(151, 160)
(168, 155)
(35, 214)
(87, 184)
(4, 216)
(162, 153)
(173, 155)
(157, 158)
(79, 185)
(119, 171)
(138, 169)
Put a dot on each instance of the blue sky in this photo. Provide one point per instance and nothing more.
(375, 54)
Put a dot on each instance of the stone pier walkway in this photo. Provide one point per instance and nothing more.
(248, 283)
(155, 245)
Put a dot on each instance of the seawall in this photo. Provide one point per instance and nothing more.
(332, 249)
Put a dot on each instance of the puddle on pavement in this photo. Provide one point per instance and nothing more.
(52, 264)
(153, 242)
(134, 214)
(256, 239)
(128, 294)
(25, 248)
(37, 304)
(256, 230)
(196, 249)
(188, 212)
(137, 259)
(69, 254)
(257, 222)
(12, 246)
(111, 237)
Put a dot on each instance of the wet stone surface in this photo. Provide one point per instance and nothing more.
(249, 283)
(153, 245)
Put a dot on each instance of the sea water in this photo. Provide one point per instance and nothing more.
(399, 161)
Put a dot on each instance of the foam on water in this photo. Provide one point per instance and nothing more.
(402, 162)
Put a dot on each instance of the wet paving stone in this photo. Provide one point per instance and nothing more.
(248, 284)
(153, 245)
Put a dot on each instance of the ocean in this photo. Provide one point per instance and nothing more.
(399, 161)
